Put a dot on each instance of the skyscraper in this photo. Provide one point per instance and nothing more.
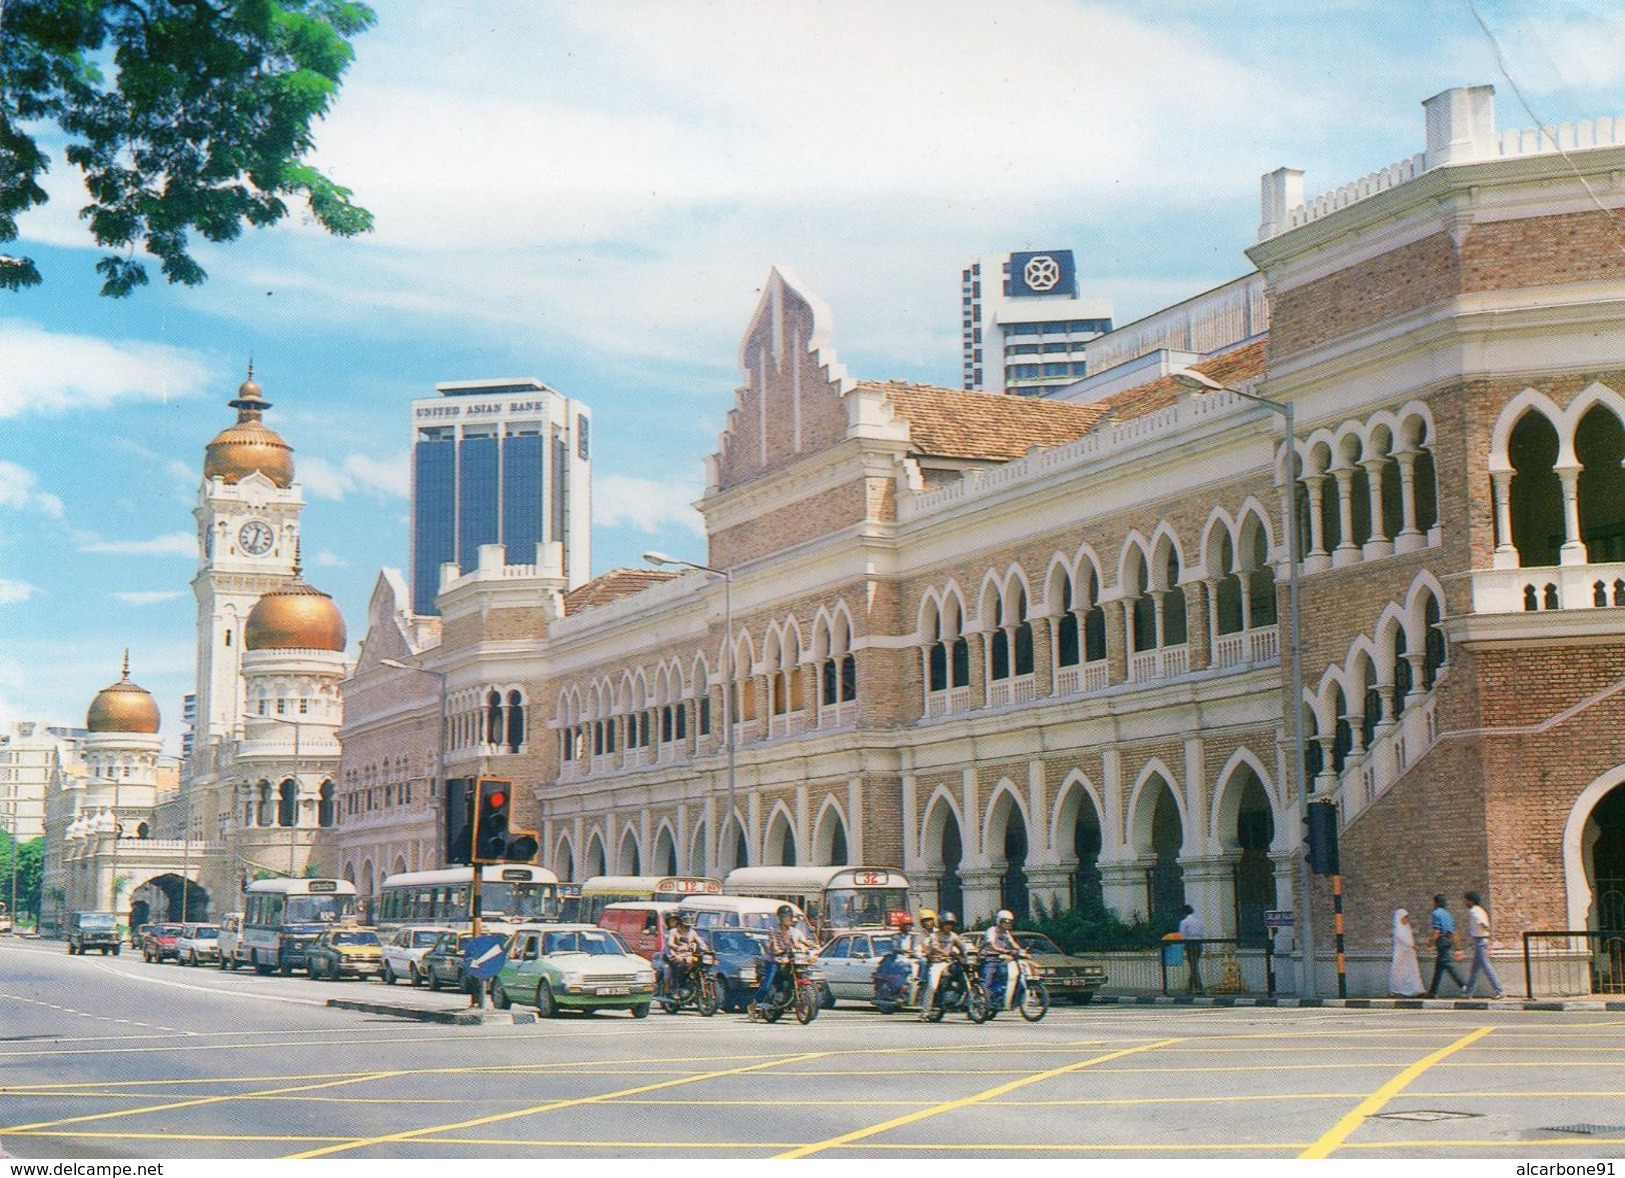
(1023, 325)
(498, 462)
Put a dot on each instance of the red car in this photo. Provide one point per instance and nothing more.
(161, 941)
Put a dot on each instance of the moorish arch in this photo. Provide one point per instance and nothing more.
(1156, 834)
(564, 858)
(779, 844)
(1078, 832)
(629, 860)
(1005, 840)
(942, 848)
(1244, 829)
(595, 862)
(665, 851)
(699, 859)
(1593, 851)
(830, 847)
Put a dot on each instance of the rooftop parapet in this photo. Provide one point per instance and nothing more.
(1460, 126)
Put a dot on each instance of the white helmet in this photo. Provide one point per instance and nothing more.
(1005, 916)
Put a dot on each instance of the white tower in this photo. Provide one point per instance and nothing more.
(248, 533)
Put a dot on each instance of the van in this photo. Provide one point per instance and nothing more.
(750, 912)
(93, 930)
(232, 952)
(640, 923)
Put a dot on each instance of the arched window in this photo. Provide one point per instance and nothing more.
(1537, 491)
(287, 811)
(1433, 657)
(1599, 443)
(1068, 649)
(494, 725)
(516, 721)
(326, 810)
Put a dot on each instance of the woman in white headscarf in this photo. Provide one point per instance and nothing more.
(1405, 975)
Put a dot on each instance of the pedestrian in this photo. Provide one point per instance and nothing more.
(1191, 933)
(1478, 928)
(1443, 927)
(1405, 974)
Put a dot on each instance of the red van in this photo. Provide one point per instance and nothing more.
(640, 923)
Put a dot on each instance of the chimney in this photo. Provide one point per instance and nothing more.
(1279, 192)
(1460, 126)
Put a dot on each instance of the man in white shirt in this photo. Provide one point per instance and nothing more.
(1191, 934)
(1478, 928)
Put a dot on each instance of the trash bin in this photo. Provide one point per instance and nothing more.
(1173, 953)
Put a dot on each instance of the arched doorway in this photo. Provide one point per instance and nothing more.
(665, 862)
(1013, 877)
(1087, 890)
(1537, 491)
(1254, 873)
(1165, 879)
(950, 851)
(1603, 845)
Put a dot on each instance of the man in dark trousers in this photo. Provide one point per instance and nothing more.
(1444, 946)
(1191, 933)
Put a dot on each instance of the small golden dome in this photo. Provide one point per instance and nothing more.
(239, 450)
(295, 616)
(123, 707)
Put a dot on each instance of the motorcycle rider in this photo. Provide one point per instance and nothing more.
(941, 950)
(908, 952)
(999, 952)
(683, 947)
(783, 939)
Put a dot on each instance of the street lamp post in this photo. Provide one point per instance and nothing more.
(660, 558)
(1191, 379)
(440, 742)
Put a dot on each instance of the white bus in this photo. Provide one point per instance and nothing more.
(510, 894)
(621, 889)
(281, 917)
(834, 898)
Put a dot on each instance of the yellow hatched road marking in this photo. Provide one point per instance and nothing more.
(550, 1106)
(962, 1102)
(1338, 1133)
(196, 1103)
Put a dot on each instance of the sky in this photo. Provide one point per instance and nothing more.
(592, 193)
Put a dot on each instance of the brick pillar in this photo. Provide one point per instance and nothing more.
(1044, 658)
(1116, 643)
(1198, 608)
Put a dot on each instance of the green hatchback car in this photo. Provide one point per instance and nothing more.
(556, 967)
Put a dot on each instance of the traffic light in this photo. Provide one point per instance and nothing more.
(1322, 841)
(495, 841)
(459, 820)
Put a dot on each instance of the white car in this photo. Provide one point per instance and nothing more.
(404, 950)
(230, 941)
(849, 962)
(198, 944)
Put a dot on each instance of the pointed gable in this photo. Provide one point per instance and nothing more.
(790, 402)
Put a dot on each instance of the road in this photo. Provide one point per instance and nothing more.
(113, 1058)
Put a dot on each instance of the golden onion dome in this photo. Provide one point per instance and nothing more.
(123, 707)
(294, 616)
(239, 450)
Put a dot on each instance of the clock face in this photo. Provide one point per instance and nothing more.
(255, 537)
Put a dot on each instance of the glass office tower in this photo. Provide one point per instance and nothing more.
(498, 462)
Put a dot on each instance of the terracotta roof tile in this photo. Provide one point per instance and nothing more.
(1227, 368)
(613, 584)
(951, 423)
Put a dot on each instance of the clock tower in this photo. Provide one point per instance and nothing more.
(248, 537)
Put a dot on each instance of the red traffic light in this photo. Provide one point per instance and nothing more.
(496, 798)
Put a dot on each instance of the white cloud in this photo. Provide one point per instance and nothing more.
(15, 591)
(1580, 50)
(48, 372)
(150, 597)
(383, 478)
(172, 544)
(17, 491)
(329, 560)
(644, 504)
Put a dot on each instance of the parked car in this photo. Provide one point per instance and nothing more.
(739, 953)
(849, 961)
(232, 953)
(161, 943)
(198, 944)
(339, 953)
(93, 930)
(404, 950)
(1065, 975)
(557, 967)
(442, 963)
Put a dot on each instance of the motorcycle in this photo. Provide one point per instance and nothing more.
(796, 988)
(1029, 995)
(697, 986)
(959, 990)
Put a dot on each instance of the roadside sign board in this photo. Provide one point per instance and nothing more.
(1278, 918)
(484, 956)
